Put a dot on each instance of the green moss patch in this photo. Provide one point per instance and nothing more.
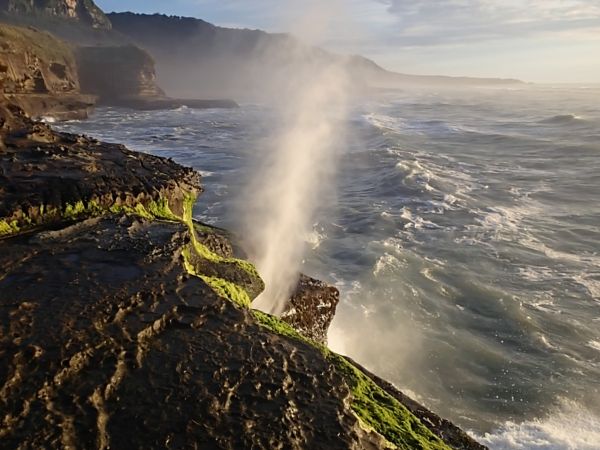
(222, 287)
(204, 251)
(375, 408)
(8, 228)
(156, 209)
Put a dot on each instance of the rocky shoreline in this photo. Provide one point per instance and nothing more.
(48, 77)
(126, 324)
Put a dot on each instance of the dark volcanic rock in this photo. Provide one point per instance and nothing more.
(106, 341)
(449, 432)
(215, 239)
(312, 308)
(47, 177)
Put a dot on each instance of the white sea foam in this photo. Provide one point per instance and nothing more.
(414, 221)
(394, 124)
(546, 342)
(315, 237)
(387, 264)
(571, 428)
(594, 344)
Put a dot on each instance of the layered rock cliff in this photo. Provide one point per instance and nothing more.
(84, 11)
(125, 324)
(116, 74)
(46, 76)
(39, 73)
(126, 76)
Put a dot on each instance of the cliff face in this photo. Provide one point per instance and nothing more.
(45, 76)
(125, 324)
(117, 73)
(39, 73)
(84, 11)
(35, 62)
(195, 56)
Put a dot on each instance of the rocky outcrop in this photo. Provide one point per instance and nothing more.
(125, 76)
(124, 324)
(48, 178)
(39, 73)
(117, 73)
(311, 308)
(46, 75)
(83, 11)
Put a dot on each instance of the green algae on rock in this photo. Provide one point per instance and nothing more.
(63, 178)
(376, 409)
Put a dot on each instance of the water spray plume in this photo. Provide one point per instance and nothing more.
(297, 170)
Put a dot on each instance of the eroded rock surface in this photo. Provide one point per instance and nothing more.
(38, 72)
(312, 308)
(47, 177)
(107, 341)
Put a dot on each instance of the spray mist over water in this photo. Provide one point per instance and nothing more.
(298, 168)
(289, 186)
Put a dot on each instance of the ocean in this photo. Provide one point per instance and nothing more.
(463, 233)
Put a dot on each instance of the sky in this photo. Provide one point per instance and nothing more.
(544, 41)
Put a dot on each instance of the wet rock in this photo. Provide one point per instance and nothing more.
(215, 239)
(311, 308)
(107, 341)
(443, 428)
(48, 177)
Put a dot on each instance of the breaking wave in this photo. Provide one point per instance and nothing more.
(571, 428)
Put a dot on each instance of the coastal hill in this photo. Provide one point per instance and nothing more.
(39, 73)
(196, 59)
(61, 58)
(194, 56)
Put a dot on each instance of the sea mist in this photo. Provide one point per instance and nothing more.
(297, 167)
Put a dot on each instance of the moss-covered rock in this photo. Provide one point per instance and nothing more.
(49, 178)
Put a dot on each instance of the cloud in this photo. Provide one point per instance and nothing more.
(433, 22)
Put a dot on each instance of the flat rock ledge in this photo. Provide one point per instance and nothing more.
(125, 325)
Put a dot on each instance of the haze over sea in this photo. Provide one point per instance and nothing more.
(463, 234)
